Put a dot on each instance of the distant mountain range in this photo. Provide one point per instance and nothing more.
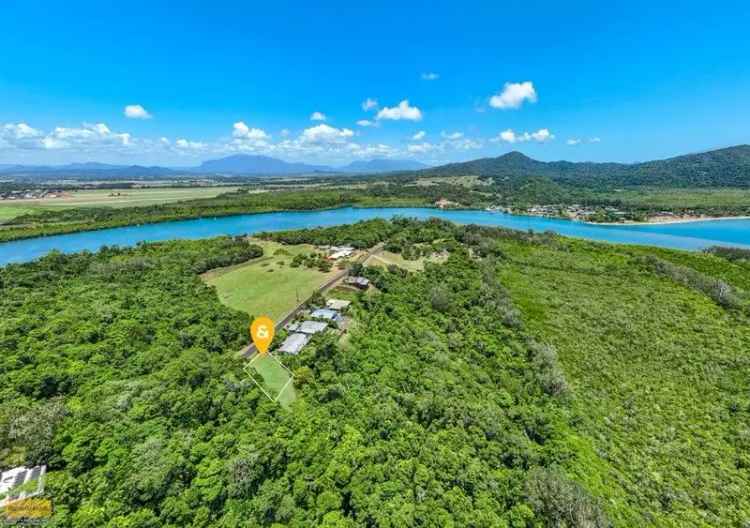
(727, 167)
(237, 165)
(383, 165)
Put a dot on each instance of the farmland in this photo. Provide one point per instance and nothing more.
(111, 198)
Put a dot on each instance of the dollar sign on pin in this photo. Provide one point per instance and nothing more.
(262, 330)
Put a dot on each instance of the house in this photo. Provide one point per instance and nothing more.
(338, 252)
(14, 478)
(294, 343)
(308, 327)
(327, 315)
(358, 282)
(337, 304)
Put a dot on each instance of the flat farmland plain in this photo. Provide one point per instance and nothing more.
(117, 198)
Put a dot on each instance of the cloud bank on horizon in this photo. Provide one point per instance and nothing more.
(318, 142)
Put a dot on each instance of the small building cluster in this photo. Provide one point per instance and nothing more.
(21, 483)
(30, 194)
(318, 321)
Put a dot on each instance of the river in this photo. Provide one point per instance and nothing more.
(688, 236)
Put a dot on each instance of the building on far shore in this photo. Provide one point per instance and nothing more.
(294, 343)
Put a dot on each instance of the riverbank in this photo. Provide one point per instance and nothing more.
(667, 221)
(11, 232)
(697, 238)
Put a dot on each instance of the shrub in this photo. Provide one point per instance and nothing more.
(562, 502)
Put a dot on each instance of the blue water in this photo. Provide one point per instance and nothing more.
(690, 236)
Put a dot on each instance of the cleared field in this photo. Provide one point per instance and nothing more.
(108, 198)
(386, 258)
(273, 377)
(268, 286)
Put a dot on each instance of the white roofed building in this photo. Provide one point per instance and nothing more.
(326, 315)
(337, 304)
(294, 343)
(308, 327)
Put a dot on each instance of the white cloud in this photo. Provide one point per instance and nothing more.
(325, 134)
(365, 123)
(573, 141)
(514, 95)
(463, 144)
(86, 137)
(379, 150)
(419, 136)
(420, 148)
(20, 131)
(369, 104)
(402, 111)
(453, 135)
(595, 140)
(185, 144)
(509, 136)
(241, 130)
(284, 132)
(317, 116)
(136, 111)
(430, 76)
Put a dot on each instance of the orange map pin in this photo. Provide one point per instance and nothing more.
(262, 331)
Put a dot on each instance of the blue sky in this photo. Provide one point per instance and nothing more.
(578, 81)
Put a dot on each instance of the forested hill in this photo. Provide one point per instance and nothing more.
(728, 167)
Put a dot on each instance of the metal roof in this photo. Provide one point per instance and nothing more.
(308, 327)
(294, 343)
(337, 304)
(325, 313)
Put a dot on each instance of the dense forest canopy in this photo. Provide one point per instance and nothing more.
(520, 383)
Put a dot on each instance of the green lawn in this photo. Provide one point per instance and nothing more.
(268, 286)
(274, 377)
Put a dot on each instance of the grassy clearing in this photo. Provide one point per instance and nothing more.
(268, 286)
(116, 198)
(275, 378)
(386, 258)
(10, 211)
